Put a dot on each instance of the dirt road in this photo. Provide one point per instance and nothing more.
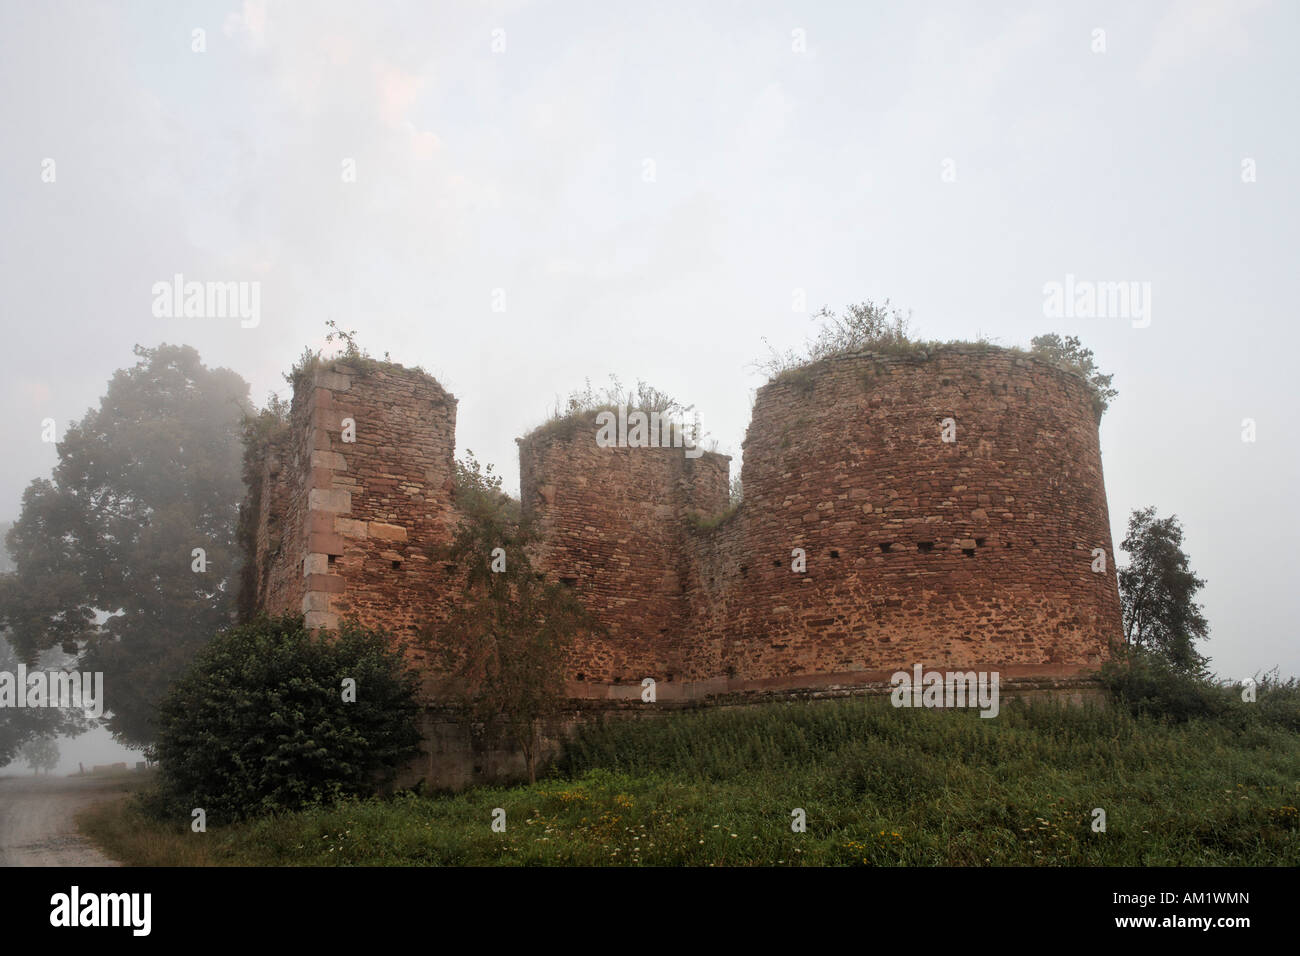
(38, 819)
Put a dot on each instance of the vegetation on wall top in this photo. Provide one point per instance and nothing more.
(886, 330)
(352, 354)
(582, 406)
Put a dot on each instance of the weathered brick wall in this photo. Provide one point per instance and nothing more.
(614, 524)
(974, 552)
(281, 534)
(381, 502)
(365, 514)
(990, 537)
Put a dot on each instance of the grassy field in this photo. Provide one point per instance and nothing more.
(880, 787)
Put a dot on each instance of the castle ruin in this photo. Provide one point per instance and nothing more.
(978, 552)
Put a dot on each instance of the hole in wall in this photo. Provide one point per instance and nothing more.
(569, 582)
(776, 563)
(969, 552)
(397, 565)
(979, 542)
(885, 546)
(744, 570)
(834, 553)
(332, 558)
(581, 676)
(1006, 544)
(925, 547)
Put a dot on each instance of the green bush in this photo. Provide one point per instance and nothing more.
(260, 724)
(1147, 684)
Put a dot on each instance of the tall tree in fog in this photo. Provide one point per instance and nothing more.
(127, 553)
(1158, 592)
(19, 726)
(41, 753)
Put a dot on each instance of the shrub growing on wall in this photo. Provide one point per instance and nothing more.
(503, 648)
(264, 721)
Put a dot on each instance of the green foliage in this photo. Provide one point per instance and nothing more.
(505, 642)
(357, 358)
(41, 753)
(708, 522)
(1146, 684)
(261, 431)
(582, 406)
(150, 475)
(1158, 590)
(1070, 354)
(881, 787)
(20, 726)
(260, 723)
(349, 339)
(886, 330)
(862, 327)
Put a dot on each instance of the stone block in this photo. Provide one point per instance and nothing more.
(327, 543)
(328, 499)
(335, 381)
(387, 532)
(325, 583)
(330, 460)
(323, 619)
(315, 601)
(350, 528)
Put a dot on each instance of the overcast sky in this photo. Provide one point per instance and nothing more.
(650, 184)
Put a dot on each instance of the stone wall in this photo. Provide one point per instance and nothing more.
(456, 754)
(363, 504)
(615, 524)
(975, 553)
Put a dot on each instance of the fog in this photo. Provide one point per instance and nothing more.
(546, 193)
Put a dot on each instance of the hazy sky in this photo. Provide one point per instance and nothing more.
(649, 185)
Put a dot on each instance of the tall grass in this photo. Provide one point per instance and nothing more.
(879, 786)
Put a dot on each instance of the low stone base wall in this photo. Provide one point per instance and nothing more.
(457, 753)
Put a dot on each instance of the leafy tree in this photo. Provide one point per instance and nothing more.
(1070, 353)
(105, 548)
(19, 726)
(262, 722)
(1158, 590)
(504, 645)
(41, 753)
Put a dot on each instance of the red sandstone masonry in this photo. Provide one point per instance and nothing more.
(615, 524)
(840, 458)
(844, 458)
